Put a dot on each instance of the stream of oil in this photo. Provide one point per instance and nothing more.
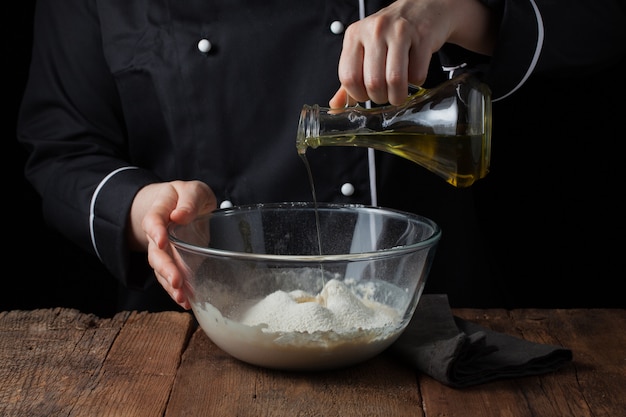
(317, 216)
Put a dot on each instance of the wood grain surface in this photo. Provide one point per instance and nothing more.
(60, 362)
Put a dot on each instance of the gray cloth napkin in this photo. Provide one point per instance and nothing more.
(460, 353)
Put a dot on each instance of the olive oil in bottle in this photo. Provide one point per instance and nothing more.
(446, 129)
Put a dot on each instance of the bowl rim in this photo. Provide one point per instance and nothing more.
(349, 257)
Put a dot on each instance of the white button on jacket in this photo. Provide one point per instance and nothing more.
(347, 189)
(337, 27)
(204, 46)
(226, 204)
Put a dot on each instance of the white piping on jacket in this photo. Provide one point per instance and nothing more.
(538, 48)
(92, 206)
(371, 154)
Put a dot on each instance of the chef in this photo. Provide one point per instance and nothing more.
(131, 106)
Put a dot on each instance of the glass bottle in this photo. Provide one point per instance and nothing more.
(446, 129)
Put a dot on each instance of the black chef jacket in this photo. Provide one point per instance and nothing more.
(123, 93)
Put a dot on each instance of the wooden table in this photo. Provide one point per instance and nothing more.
(60, 362)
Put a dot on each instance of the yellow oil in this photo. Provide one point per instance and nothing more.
(314, 195)
(460, 160)
(317, 216)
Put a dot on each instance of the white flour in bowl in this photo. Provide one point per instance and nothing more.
(300, 331)
(335, 308)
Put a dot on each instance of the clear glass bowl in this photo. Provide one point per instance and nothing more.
(293, 286)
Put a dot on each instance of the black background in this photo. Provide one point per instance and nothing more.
(42, 268)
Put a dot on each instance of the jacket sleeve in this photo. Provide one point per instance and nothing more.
(71, 123)
(546, 38)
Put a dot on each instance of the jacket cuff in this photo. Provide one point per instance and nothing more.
(109, 221)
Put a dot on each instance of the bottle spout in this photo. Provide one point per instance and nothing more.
(308, 127)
